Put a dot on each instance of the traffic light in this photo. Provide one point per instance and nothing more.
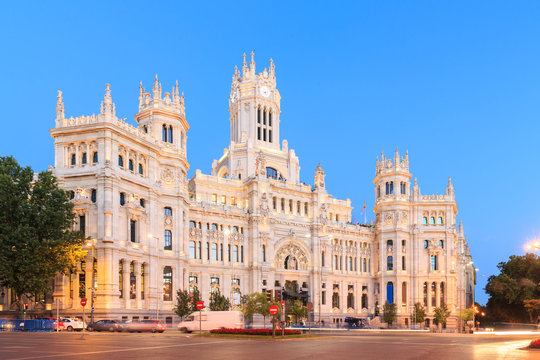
(25, 308)
(277, 295)
(269, 295)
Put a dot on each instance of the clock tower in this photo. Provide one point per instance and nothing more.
(254, 107)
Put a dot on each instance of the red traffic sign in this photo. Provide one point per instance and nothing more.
(273, 309)
(83, 302)
(200, 305)
(283, 304)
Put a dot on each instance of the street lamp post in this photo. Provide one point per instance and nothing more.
(150, 236)
(90, 244)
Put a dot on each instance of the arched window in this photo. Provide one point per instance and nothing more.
(364, 265)
(390, 263)
(73, 159)
(93, 197)
(120, 161)
(350, 263)
(167, 283)
(192, 254)
(282, 204)
(335, 300)
(432, 220)
(84, 158)
(235, 229)
(290, 206)
(425, 244)
(170, 137)
(433, 294)
(164, 133)
(390, 292)
(214, 252)
(130, 164)
(425, 294)
(322, 258)
(306, 208)
(441, 291)
(167, 211)
(441, 243)
(235, 253)
(264, 253)
(168, 240)
(391, 187)
(141, 201)
(121, 278)
(141, 169)
(298, 207)
(132, 281)
(122, 198)
(387, 188)
(271, 173)
(389, 243)
(350, 300)
(439, 220)
(424, 220)
(364, 300)
(95, 157)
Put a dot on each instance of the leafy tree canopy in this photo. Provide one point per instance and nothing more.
(36, 236)
(442, 313)
(517, 282)
(219, 302)
(419, 314)
(389, 315)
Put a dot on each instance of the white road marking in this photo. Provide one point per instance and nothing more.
(117, 350)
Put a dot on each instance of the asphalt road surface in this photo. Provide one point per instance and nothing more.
(173, 345)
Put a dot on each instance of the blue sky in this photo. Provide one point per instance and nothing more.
(455, 83)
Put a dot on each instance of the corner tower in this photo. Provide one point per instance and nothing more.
(254, 107)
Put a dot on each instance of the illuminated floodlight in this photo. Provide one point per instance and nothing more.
(227, 232)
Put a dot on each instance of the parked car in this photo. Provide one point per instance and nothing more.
(105, 325)
(71, 324)
(146, 325)
(212, 320)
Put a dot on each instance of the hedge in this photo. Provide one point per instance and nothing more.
(253, 331)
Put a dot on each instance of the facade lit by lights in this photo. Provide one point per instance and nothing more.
(251, 225)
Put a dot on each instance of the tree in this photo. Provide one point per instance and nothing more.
(419, 314)
(533, 308)
(36, 236)
(219, 302)
(467, 315)
(389, 315)
(517, 282)
(442, 313)
(297, 309)
(183, 304)
(257, 303)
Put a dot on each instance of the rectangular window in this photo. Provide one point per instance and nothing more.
(323, 298)
(242, 253)
(192, 249)
(433, 262)
(282, 204)
(82, 224)
(306, 209)
(335, 262)
(133, 230)
(223, 199)
(233, 201)
(200, 250)
(207, 251)
(403, 267)
(214, 198)
(229, 252)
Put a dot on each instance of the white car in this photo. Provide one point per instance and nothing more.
(73, 324)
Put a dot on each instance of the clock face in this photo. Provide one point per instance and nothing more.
(265, 91)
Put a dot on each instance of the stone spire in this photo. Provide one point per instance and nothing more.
(272, 69)
(252, 63)
(176, 93)
(107, 106)
(460, 228)
(59, 106)
(141, 96)
(449, 187)
(244, 66)
(156, 89)
(415, 189)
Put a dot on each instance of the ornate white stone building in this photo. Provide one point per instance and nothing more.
(250, 225)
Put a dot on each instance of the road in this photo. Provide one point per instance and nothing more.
(173, 345)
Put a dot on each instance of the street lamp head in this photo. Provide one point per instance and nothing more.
(89, 243)
(150, 236)
(308, 235)
(227, 232)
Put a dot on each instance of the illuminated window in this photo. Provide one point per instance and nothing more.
(167, 283)
(168, 240)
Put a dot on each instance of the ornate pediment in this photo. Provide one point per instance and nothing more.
(292, 257)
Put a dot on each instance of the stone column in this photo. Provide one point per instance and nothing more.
(127, 288)
(137, 268)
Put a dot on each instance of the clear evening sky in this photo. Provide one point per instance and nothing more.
(455, 83)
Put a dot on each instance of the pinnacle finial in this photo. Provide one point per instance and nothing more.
(244, 56)
(59, 106)
(252, 62)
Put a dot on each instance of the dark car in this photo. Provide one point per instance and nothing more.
(105, 325)
(146, 325)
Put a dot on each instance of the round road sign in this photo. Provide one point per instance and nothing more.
(200, 305)
(83, 302)
(273, 309)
